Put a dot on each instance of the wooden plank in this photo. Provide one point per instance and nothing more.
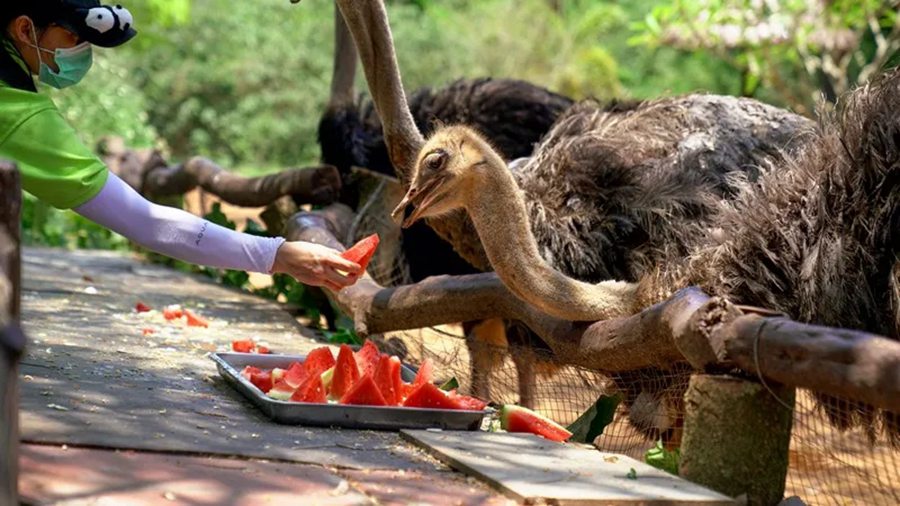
(531, 469)
(11, 340)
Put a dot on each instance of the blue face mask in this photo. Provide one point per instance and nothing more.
(74, 63)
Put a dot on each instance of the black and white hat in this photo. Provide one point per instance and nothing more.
(101, 25)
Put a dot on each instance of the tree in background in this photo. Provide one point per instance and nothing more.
(790, 51)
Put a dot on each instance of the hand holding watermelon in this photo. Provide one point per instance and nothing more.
(316, 265)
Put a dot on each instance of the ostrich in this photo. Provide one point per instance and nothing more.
(513, 114)
(765, 244)
(817, 237)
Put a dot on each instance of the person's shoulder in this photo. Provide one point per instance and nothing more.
(14, 101)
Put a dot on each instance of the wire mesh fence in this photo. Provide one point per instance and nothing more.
(828, 465)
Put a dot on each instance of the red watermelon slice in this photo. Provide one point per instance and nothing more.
(365, 393)
(466, 402)
(262, 380)
(361, 252)
(427, 395)
(243, 346)
(295, 375)
(249, 371)
(518, 419)
(311, 390)
(367, 358)
(281, 390)
(387, 378)
(346, 373)
(425, 374)
(318, 361)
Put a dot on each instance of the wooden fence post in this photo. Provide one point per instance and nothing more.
(736, 437)
(12, 341)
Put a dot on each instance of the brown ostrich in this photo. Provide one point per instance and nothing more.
(818, 237)
(604, 194)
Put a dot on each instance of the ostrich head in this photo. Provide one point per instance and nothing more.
(447, 170)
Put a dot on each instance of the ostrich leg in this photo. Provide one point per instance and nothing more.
(484, 340)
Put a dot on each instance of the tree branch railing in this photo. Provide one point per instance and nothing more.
(151, 175)
(12, 341)
(707, 332)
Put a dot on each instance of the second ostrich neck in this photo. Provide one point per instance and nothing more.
(497, 208)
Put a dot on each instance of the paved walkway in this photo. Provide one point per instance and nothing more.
(113, 416)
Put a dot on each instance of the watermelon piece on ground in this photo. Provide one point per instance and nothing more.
(318, 361)
(281, 390)
(387, 378)
(518, 419)
(262, 350)
(173, 313)
(312, 390)
(367, 358)
(346, 373)
(140, 307)
(467, 402)
(362, 252)
(243, 346)
(194, 320)
(428, 395)
(364, 392)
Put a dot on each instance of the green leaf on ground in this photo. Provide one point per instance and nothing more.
(593, 421)
(661, 458)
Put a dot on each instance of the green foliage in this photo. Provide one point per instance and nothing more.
(661, 458)
(788, 52)
(343, 335)
(43, 225)
(593, 421)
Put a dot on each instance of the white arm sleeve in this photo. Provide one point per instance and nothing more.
(176, 233)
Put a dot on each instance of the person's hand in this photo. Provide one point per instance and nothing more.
(316, 265)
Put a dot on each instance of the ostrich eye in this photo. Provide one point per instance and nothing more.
(436, 160)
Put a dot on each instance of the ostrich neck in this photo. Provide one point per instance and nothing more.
(368, 23)
(499, 213)
(345, 57)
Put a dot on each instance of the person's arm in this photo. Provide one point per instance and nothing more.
(181, 235)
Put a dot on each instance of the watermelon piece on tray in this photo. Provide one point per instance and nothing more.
(318, 361)
(281, 390)
(367, 358)
(425, 373)
(262, 380)
(312, 390)
(466, 402)
(362, 252)
(427, 395)
(518, 419)
(295, 375)
(387, 378)
(365, 392)
(346, 373)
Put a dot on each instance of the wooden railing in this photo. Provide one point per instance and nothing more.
(12, 341)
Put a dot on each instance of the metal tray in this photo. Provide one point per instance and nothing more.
(337, 415)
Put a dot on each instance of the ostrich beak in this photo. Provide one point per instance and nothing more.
(420, 198)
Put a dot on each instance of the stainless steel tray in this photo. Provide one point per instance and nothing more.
(336, 415)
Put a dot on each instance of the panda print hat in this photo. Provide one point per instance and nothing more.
(101, 25)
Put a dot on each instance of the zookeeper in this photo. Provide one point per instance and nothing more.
(53, 40)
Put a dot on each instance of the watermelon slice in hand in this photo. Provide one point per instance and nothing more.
(518, 419)
(362, 252)
(364, 392)
(346, 373)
